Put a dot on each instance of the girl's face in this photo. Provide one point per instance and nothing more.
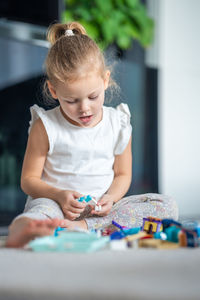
(81, 101)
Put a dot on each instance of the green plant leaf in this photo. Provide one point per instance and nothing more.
(104, 6)
(148, 34)
(83, 13)
(70, 2)
(92, 31)
(132, 3)
(124, 42)
(67, 16)
(112, 21)
(109, 30)
(97, 17)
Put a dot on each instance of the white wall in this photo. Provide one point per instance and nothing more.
(176, 52)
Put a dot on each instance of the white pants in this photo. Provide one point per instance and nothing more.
(129, 211)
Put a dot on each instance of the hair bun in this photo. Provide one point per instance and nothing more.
(58, 30)
(69, 32)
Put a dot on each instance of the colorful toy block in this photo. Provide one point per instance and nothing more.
(152, 225)
(172, 233)
(155, 243)
(170, 222)
(188, 238)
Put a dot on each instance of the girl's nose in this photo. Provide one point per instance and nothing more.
(84, 105)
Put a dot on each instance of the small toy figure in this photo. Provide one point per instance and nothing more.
(87, 199)
(188, 238)
(152, 225)
(172, 233)
(170, 222)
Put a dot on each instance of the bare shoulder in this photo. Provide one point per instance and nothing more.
(38, 136)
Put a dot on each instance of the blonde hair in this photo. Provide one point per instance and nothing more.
(72, 56)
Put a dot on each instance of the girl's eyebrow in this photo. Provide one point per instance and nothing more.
(68, 97)
(94, 92)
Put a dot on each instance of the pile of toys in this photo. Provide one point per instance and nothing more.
(160, 233)
(154, 233)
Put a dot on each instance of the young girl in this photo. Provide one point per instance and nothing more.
(80, 147)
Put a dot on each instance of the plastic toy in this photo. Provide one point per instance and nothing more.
(107, 231)
(86, 198)
(151, 225)
(57, 230)
(136, 236)
(69, 242)
(133, 240)
(197, 229)
(172, 233)
(117, 235)
(118, 225)
(188, 238)
(130, 231)
(118, 245)
(170, 222)
(160, 235)
(155, 233)
(155, 243)
(89, 198)
(126, 231)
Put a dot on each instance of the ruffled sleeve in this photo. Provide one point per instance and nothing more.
(39, 112)
(124, 128)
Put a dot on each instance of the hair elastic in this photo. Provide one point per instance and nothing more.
(69, 32)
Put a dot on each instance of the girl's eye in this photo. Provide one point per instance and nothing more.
(93, 98)
(71, 102)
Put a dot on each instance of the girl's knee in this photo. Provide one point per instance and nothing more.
(172, 208)
(43, 208)
(168, 206)
(21, 219)
(152, 204)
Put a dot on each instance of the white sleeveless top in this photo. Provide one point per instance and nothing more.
(80, 158)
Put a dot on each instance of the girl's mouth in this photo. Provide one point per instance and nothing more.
(86, 119)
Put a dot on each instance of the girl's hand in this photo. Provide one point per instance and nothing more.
(106, 203)
(70, 206)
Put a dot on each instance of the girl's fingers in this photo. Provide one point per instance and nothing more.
(98, 213)
(72, 216)
(103, 202)
(76, 210)
(77, 204)
(77, 195)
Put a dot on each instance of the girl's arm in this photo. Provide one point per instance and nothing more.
(31, 182)
(122, 174)
(121, 181)
(33, 164)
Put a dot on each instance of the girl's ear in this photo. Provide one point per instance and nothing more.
(52, 90)
(106, 79)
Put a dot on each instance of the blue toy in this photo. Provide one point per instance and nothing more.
(124, 231)
(172, 233)
(69, 241)
(57, 230)
(117, 235)
(117, 225)
(87, 199)
(170, 222)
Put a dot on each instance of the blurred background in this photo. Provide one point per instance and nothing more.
(160, 83)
